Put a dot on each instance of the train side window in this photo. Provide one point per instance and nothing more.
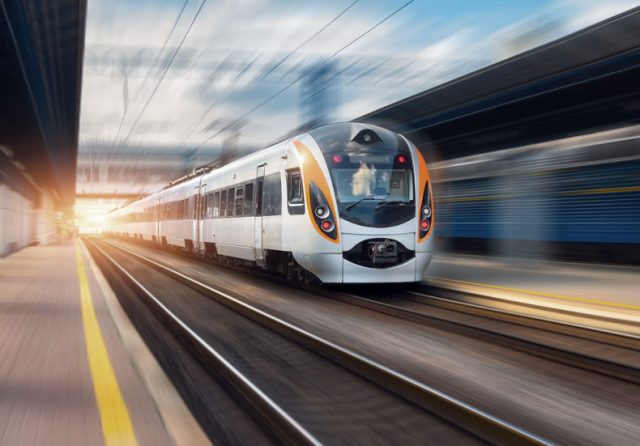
(205, 205)
(259, 196)
(295, 197)
(230, 201)
(223, 203)
(216, 204)
(272, 195)
(239, 200)
(248, 199)
(191, 208)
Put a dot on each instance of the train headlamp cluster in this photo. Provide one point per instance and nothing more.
(322, 214)
(426, 213)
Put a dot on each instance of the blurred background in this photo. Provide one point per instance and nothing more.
(171, 85)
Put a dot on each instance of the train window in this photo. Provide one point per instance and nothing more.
(208, 211)
(230, 201)
(216, 204)
(192, 208)
(259, 196)
(239, 200)
(223, 203)
(272, 195)
(295, 188)
(295, 198)
(248, 199)
(205, 203)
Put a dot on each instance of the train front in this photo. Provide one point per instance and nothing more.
(374, 204)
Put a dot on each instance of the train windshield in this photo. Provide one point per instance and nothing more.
(371, 171)
(367, 181)
(373, 189)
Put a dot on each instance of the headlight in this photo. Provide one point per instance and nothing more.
(321, 212)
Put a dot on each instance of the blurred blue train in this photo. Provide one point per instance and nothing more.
(576, 198)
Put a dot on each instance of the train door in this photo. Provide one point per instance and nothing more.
(257, 226)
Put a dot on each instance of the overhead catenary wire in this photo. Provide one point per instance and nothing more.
(297, 79)
(272, 69)
(292, 52)
(162, 49)
(153, 66)
(164, 72)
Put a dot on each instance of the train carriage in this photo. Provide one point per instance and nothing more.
(344, 203)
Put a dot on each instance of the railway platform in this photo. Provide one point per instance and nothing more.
(597, 289)
(66, 373)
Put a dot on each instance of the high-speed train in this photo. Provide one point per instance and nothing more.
(343, 203)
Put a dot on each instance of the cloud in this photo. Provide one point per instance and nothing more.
(219, 74)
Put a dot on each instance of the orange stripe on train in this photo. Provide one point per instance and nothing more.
(312, 171)
(423, 177)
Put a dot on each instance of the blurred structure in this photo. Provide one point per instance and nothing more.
(133, 171)
(318, 95)
(41, 46)
(575, 198)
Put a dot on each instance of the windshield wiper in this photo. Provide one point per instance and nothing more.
(385, 203)
(348, 208)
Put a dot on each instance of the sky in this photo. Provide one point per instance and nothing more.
(196, 74)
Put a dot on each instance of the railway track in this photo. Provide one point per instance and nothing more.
(605, 351)
(405, 403)
(609, 353)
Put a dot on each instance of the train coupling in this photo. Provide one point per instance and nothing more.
(383, 252)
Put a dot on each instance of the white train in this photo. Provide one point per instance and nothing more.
(343, 203)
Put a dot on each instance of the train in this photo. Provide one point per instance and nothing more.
(342, 203)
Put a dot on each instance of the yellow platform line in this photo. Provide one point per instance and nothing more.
(544, 294)
(114, 416)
